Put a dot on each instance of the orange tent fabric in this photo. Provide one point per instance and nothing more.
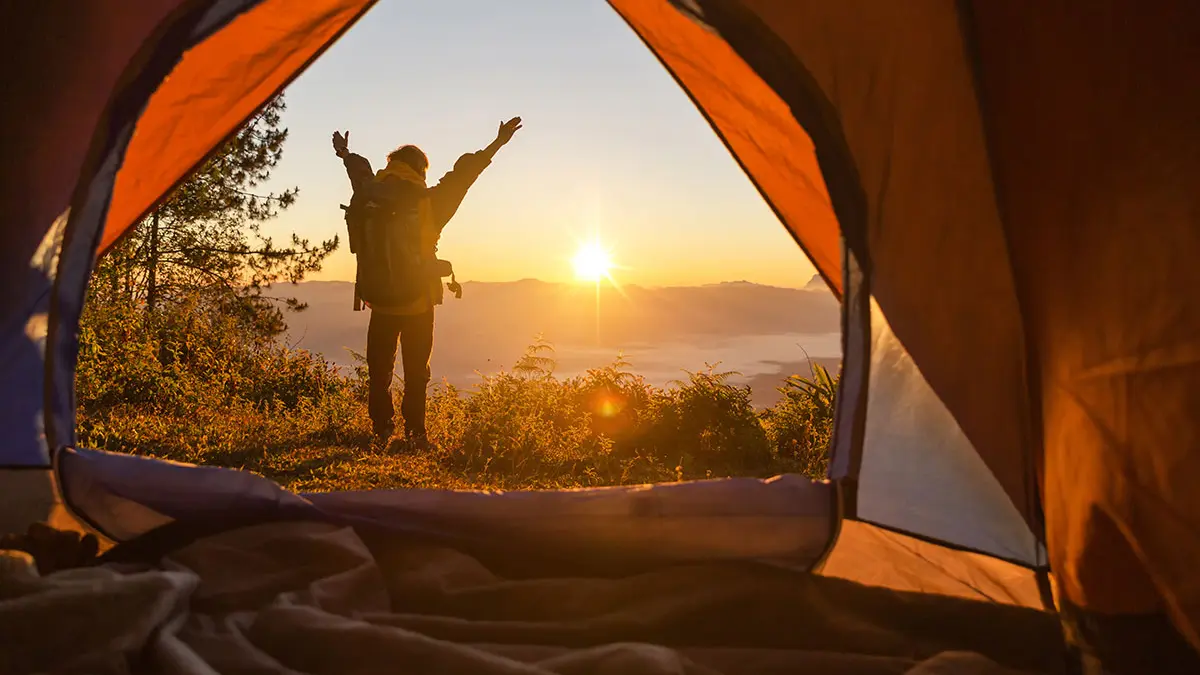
(55, 100)
(1033, 200)
(217, 86)
(755, 124)
(895, 83)
(1035, 160)
(1095, 123)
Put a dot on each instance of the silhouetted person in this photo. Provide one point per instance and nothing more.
(400, 277)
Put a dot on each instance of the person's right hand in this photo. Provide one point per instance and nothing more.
(341, 143)
(507, 129)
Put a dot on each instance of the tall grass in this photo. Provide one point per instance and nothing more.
(186, 383)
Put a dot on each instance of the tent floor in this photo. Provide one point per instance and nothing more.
(320, 597)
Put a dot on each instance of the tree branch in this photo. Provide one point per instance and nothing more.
(207, 272)
(281, 253)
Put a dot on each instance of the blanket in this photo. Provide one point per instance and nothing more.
(305, 597)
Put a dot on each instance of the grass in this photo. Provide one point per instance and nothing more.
(192, 385)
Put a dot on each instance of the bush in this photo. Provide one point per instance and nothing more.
(800, 426)
(710, 425)
(193, 383)
(187, 354)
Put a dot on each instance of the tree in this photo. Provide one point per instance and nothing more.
(206, 238)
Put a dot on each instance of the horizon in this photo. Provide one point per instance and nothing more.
(810, 286)
(663, 332)
(610, 146)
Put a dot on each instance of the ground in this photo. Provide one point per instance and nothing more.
(189, 386)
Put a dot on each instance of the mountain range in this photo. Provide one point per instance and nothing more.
(762, 331)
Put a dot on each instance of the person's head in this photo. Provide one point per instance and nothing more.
(412, 156)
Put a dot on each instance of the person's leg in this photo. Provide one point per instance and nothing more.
(382, 334)
(416, 346)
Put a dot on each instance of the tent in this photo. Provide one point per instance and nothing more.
(1004, 195)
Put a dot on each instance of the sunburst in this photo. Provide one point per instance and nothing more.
(592, 262)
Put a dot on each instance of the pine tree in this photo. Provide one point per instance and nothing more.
(206, 238)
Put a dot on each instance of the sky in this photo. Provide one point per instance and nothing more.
(610, 148)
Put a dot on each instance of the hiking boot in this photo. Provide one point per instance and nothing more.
(415, 444)
(383, 435)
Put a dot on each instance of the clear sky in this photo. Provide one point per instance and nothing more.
(610, 143)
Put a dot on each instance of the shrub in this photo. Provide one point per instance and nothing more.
(191, 382)
(710, 425)
(800, 426)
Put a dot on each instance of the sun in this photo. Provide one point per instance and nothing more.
(592, 262)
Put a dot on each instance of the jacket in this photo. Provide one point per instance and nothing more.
(396, 249)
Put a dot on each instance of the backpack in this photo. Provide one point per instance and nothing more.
(355, 223)
(381, 234)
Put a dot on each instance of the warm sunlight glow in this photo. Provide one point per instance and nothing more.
(592, 262)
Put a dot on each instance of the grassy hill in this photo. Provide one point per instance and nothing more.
(186, 384)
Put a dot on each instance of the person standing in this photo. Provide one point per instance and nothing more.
(395, 222)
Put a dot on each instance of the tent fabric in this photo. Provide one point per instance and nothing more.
(218, 85)
(754, 123)
(22, 354)
(1028, 291)
(126, 496)
(918, 472)
(897, 94)
(32, 495)
(869, 554)
(780, 156)
(784, 521)
(850, 411)
(1013, 184)
(906, 131)
(55, 97)
(1093, 127)
(71, 116)
(59, 77)
(237, 602)
(170, 114)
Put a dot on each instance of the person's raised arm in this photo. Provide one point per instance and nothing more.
(448, 194)
(503, 136)
(358, 168)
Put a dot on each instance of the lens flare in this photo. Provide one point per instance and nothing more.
(608, 405)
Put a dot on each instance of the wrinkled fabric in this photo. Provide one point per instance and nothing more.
(315, 598)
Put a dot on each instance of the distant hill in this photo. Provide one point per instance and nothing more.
(755, 328)
(816, 283)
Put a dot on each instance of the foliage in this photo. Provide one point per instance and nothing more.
(707, 422)
(207, 236)
(800, 425)
(192, 382)
(537, 361)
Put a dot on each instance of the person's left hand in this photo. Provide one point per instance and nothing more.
(507, 129)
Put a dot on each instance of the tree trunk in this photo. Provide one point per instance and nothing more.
(152, 265)
(114, 282)
(127, 297)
